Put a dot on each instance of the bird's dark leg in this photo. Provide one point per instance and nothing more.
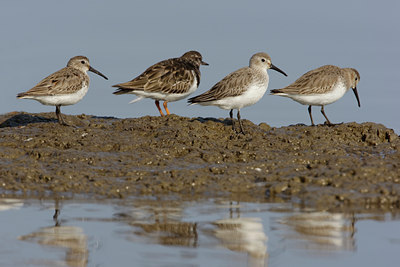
(159, 109)
(240, 122)
(323, 113)
(56, 213)
(309, 112)
(233, 122)
(59, 116)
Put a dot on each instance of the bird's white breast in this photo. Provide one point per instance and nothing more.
(170, 97)
(335, 94)
(62, 99)
(251, 96)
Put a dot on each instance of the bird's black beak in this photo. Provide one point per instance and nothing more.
(356, 94)
(97, 72)
(273, 67)
(204, 63)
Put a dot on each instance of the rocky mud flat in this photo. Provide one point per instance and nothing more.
(346, 165)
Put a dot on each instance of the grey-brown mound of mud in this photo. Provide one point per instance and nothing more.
(344, 165)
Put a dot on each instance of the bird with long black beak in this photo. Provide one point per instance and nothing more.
(241, 88)
(321, 86)
(64, 87)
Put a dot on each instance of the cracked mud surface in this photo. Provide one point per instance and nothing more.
(327, 167)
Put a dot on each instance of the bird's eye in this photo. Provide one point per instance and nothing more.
(83, 62)
(263, 60)
(356, 78)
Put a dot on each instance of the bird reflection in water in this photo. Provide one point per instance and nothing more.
(242, 234)
(70, 238)
(321, 230)
(160, 223)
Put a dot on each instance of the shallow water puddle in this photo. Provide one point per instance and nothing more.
(151, 232)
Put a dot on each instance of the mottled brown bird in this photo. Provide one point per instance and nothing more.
(169, 80)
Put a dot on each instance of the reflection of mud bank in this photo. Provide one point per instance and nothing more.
(327, 166)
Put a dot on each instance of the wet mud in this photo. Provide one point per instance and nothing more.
(328, 167)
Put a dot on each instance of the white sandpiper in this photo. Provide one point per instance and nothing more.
(64, 87)
(241, 88)
(321, 86)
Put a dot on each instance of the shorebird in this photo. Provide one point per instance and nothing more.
(241, 88)
(169, 80)
(64, 87)
(321, 86)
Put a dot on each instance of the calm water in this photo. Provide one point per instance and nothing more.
(152, 232)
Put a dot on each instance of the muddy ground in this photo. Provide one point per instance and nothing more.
(347, 165)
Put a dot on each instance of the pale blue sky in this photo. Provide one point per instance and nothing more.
(123, 38)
